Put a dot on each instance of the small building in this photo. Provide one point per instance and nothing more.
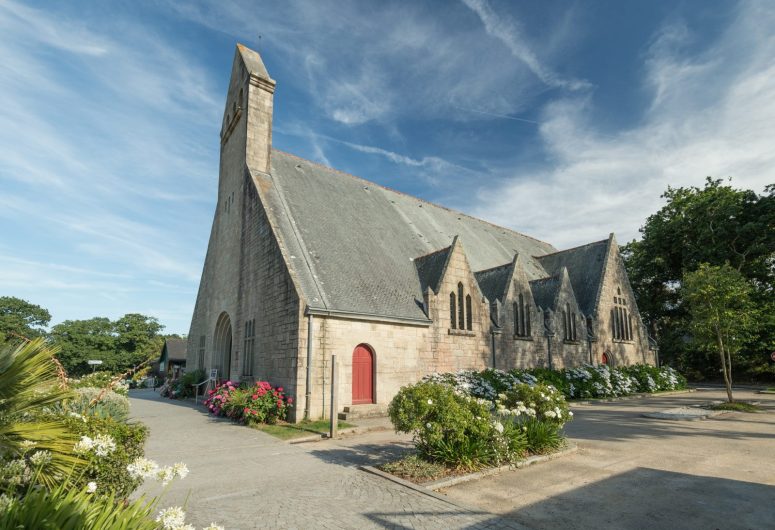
(305, 261)
(172, 362)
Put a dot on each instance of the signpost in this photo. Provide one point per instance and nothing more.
(213, 374)
(95, 362)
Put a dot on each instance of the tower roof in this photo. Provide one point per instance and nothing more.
(253, 62)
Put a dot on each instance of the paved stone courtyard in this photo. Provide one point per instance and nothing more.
(243, 478)
(630, 472)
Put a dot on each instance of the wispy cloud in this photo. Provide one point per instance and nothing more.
(508, 31)
(711, 113)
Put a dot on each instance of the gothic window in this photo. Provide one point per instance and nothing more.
(452, 311)
(521, 317)
(621, 320)
(461, 321)
(200, 359)
(469, 319)
(250, 344)
(569, 323)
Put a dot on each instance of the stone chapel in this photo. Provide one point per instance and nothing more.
(305, 261)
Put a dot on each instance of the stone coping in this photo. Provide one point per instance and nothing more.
(430, 488)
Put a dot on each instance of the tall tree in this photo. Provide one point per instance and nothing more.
(723, 317)
(21, 318)
(82, 340)
(715, 224)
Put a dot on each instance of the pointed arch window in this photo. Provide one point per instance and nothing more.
(569, 323)
(461, 320)
(621, 319)
(452, 311)
(469, 318)
(521, 317)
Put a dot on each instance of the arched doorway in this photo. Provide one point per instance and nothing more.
(222, 346)
(363, 375)
(606, 358)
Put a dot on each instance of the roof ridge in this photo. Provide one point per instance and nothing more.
(505, 265)
(572, 248)
(429, 254)
(413, 197)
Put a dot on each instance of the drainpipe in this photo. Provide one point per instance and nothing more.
(308, 390)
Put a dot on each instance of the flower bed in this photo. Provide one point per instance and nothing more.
(259, 403)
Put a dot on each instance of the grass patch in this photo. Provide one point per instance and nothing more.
(415, 469)
(737, 406)
(289, 431)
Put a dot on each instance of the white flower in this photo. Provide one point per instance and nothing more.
(84, 445)
(172, 518)
(498, 426)
(41, 458)
(26, 445)
(428, 425)
(142, 468)
(165, 475)
(91, 487)
(213, 526)
(430, 402)
(180, 469)
(104, 445)
(570, 413)
(550, 414)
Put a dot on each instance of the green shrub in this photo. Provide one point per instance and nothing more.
(100, 380)
(541, 402)
(109, 405)
(74, 509)
(452, 428)
(184, 386)
(541, 436)
(109, 471)
(556, 378)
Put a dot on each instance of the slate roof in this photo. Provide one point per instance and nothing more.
(585, 268)
(431, 267)
(545, 291)
(493, 281)
(352, 243)
(176, 349)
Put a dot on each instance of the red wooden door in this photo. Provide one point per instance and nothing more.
(604, 358)
(363, 376)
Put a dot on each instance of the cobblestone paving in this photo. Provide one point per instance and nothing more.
(242, 478)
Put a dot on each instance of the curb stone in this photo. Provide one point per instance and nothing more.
(631, 397)
(537, 459)
(418, 488)
(430, 488)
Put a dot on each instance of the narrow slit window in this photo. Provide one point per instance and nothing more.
(461, 321)
(452, 311)
(469, 314)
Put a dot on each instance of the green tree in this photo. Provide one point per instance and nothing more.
(82, 340)
(723, 317)
(137, 337)
(19, 318)
(715, 224)
(120, 345)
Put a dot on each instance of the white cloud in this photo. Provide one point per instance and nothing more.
(711, 114)
(509, 32)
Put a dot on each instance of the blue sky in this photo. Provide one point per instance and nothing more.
(563, 120)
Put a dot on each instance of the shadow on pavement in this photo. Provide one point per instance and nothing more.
(651, 498)
(363, 454)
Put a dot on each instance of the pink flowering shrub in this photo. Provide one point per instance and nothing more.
(259, 403)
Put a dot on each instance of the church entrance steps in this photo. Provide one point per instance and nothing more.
(363, 411)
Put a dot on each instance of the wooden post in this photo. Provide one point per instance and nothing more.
(334, 398)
